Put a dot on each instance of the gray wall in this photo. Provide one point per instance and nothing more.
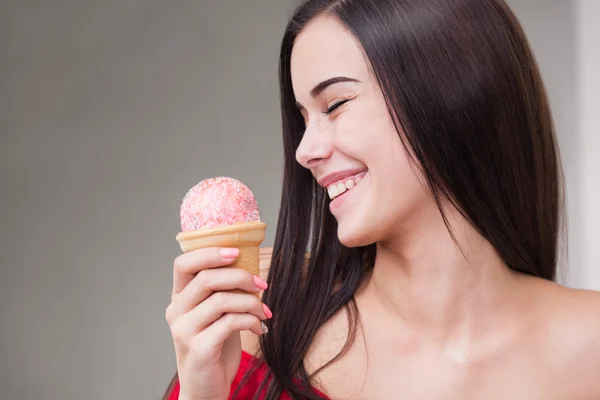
(109, 111)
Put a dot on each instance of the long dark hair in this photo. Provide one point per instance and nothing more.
(462, 84)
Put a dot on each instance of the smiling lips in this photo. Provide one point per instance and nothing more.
(342, 186)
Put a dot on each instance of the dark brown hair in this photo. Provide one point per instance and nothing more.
(462, 84)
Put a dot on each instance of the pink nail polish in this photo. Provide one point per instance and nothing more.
(267, 311)
(260, 283)
(229, 252)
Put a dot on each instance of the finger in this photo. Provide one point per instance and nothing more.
(216, 334)
(187, 265)
(219, 304)
(208, 281)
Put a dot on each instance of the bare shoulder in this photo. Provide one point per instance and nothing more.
(250, 342)
(571, 332)
(572, 311)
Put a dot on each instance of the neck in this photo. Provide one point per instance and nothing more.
(442, 288)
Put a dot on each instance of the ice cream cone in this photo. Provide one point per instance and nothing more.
(247, 237)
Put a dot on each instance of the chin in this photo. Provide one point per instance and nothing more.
(355, 236)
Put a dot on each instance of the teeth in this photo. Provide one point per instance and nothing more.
(333, 192)
(338, 188)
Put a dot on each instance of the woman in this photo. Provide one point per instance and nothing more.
(422, 177)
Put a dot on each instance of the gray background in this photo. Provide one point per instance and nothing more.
(109, 112)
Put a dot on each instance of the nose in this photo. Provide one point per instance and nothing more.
(314, 148)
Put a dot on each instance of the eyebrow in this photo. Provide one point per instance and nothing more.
(317, 90)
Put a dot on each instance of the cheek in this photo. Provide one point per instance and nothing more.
(352, 133)
(387, 151)
(366, 129)
(398, 191)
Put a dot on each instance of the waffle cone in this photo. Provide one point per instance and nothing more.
(247, 237)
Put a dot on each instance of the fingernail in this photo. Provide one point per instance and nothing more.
(229, 252)
(260, 283)
(267, 311)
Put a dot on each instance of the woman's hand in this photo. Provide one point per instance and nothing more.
(206, 318)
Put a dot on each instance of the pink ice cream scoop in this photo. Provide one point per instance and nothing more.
(222, 212)
(218, 202)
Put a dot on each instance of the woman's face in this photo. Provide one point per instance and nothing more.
(350, 143)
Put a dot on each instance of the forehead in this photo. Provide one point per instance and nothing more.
(324, 49)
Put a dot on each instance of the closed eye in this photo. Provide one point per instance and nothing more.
(335, 106)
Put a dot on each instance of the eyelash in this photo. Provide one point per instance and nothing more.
(335, 106)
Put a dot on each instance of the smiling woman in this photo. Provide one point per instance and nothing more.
(422, 176)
